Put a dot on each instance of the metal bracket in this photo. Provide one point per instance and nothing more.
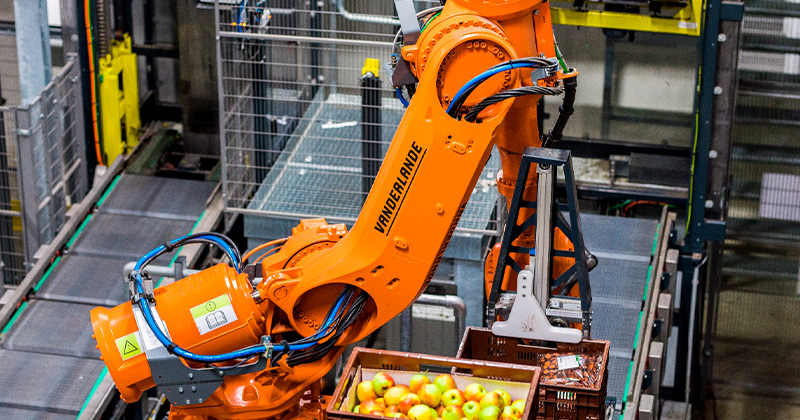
(409, 24)
(547, 214)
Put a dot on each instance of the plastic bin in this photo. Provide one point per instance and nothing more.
(556, 402)
(519, 380)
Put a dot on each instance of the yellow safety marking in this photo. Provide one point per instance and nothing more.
(128, 346)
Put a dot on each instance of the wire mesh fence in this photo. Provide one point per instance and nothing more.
(42, 169)
(305, 123)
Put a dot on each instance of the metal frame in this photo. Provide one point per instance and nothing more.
(546, 160)
(685, 22)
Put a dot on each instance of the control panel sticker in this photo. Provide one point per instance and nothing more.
(129, 346)
(213, 314)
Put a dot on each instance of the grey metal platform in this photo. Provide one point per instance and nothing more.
(45, 382)
(126, 236)
(48, 355)
(86, 279)
(52, 327)
(623, 248)
(319, 173)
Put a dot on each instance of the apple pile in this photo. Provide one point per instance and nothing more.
(438, 400)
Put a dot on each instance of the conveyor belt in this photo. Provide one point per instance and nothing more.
(49, 362)
(623, 248)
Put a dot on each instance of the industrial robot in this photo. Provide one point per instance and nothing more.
(253, 342)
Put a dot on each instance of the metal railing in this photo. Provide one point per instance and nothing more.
(42, 169)
(296, 115)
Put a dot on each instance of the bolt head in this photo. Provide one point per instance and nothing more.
(709, 204)
(722, 37)
(713, 154)
(717, 90)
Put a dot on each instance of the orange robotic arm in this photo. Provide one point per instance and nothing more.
(395, 246)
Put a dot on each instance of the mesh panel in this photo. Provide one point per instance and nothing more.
(42, 165)
(293, 109)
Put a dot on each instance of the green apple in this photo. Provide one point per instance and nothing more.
(395, 393)
(452, 412)
(434, 413)
(491, 412)
(430, 395)
(492, 399)
(444, 382)
(407, 401)
(506, 397)
(420, 412)
(471, 410)
(355, 409)
(453, 397)
(382, 382)
(365, 392)
(474, 392)
(417, 381)
(519, 405)
(510, 413)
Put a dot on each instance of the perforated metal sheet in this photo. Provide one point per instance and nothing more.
(618, 368)
(124, 236)
(86, 279)
(8, 413)
(61, 383)
(320, 174)
(614, 322)
(618, 235)
(618, 284)
(52, 327)
(619, 279)
(158, 197)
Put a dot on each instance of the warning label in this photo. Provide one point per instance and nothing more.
(129, 346)
(213, 314)
(149, 339)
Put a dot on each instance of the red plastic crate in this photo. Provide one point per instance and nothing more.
(391, 361)
(556, 402)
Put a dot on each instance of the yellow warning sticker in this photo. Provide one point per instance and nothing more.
(129, 346)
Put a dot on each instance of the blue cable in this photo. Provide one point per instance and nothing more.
(485, 75)
(399, 94)
(238, 354)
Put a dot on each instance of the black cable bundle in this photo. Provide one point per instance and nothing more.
(351, 308)
(564, 111)
(472, 115)
(544, 63)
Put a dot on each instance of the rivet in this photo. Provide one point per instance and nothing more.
(194, 388)
(439, 208)
(191, 375)
(180, 390)
(188, 401)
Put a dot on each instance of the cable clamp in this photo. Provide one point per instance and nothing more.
(266, 341)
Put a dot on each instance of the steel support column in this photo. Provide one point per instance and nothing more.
(33, 47)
